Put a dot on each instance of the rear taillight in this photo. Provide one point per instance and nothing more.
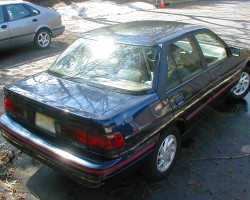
(60, 19)
(14, 108)
(79, 136)
(8, 104)
(104, 142)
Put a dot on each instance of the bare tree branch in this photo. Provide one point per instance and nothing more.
(224, 157)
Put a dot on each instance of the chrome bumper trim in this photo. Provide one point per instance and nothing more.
(58, 31)
(17, 130)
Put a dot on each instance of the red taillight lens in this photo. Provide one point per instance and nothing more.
(79, 136)
(8, 104)
(106, 142)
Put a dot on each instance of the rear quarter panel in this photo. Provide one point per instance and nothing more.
(141, 118)
(48, 18)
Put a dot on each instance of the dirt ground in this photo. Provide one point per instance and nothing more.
(215, 158)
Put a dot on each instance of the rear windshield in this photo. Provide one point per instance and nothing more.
(104, 63)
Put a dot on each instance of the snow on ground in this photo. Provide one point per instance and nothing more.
(91, 9)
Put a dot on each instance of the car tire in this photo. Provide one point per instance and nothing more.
(243, 86)
(43, 39)
(165, 154)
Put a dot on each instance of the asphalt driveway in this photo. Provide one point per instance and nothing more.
(214, 165)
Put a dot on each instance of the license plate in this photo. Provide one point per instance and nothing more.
(45, 122)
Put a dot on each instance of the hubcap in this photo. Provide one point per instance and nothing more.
(166, 153)
(43, 39)
(242, 85)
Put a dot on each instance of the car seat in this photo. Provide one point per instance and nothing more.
(136, 75)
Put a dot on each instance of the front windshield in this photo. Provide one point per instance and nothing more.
(107, 64)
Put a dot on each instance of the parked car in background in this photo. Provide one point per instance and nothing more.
(121, 94)
(23, 23)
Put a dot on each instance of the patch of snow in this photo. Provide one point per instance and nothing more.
(92, 9)
(140, 6)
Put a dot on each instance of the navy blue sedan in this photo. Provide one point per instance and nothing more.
(122, 94)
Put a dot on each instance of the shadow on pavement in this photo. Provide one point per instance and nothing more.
(15, 57)
(48, 184)
(238, 107)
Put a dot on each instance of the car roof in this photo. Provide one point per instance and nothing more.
(147, 33)
(11, 2)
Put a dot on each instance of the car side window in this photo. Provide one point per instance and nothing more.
(17, 11)
(33, 10)
(172, 75)
(1, 15)
(213, 50)
(186, 58)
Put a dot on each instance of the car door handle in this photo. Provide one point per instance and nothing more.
(179, 100)
(4, 26)
(34, 20)
(217, 75)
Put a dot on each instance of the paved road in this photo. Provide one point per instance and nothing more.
(223, 133)
(229, 18)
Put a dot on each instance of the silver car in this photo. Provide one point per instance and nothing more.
(24, 23)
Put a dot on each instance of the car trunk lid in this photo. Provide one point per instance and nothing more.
(64, 112)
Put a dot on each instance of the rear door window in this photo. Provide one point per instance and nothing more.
(186, 58)
(173, 78)
(1, 15)
(17, 11)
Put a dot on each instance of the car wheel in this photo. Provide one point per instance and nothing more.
(43, 39)
(243, 86)
(165, 154)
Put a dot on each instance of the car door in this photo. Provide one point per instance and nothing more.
(187, 81)
(22, 24)
(219, 64)
(4, 30)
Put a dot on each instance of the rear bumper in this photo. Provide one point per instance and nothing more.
(58, 31)
(89, 172)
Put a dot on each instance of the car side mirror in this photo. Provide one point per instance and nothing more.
(233, 51)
